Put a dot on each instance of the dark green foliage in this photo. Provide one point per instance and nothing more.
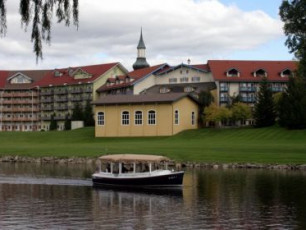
(292, 105)
(41, 11)
(77, 113)
(264, 113)
(205, 99)
(293, 14)
(53, 123)
(67, 124)
(88, 115)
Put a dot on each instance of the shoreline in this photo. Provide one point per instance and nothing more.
(178, 165)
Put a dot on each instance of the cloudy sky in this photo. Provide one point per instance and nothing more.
(173, 30)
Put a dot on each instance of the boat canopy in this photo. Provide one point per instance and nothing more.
(133, 158)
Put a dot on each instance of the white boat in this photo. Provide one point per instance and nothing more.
(136, 171)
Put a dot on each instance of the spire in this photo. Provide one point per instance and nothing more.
(141, 61)
(141, 44)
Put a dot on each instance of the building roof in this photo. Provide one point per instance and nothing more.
(141, 99)
(132, 158)
(199, 67)
(134, 76)
(247, 68)
(141, 44)
(64, 76)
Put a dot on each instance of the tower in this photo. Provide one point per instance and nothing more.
(141, 61)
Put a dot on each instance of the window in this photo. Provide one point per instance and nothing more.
(172, 80)
(286, 73)
(184, 79)
(100, 118)
(232, 73)
(188, 89)
(260, 73)
(151, 117)
(138, 118)
(192, 118)
(195, 79)
(176, 117)
(164, 90)
(125, 118)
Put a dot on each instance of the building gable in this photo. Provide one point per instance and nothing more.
(19, 78)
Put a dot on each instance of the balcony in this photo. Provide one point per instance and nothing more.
(73, 91)
(47, 100)
(248, 99)
(247, 89)
(60, 108)
(47, 93)
(60, 91)
(62, 99)
(88, 90)
(19, 102)
(224, 99)
(223, 89)
(76, 99)
(47, 108)
(277, 89)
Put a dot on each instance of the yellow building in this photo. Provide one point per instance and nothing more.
(145, 115)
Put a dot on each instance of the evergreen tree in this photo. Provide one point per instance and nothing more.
(77, 113)
(53, 123)
(88, 115)
(292, 105)
(67, 123)
(264, 113)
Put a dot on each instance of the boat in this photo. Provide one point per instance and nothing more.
(133, 170)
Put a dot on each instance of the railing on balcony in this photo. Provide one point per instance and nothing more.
(224, 99)
(61, 99)
(47, 108)
(223, 88)
(47, 100)
(277, 89)
(248, 99)
(18, 102)
(61, 107)
(60, 91)
(76, 99)
(47, 93)
(247, 89)
(76, 91)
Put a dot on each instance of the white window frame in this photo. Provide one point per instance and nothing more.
(176, 117)
(100, 118)
(125, 117)
(151, 120)
(137, 120)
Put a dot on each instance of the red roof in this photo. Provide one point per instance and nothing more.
(247, 68)
(44, 78)
(134, 75)
(94, 70)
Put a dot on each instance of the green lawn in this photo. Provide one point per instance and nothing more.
(265, 145)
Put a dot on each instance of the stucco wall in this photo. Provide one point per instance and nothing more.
(164, 119)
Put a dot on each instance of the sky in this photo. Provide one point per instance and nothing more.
(173, 31)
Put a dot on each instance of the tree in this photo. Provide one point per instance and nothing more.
(77, 113)
(216, 114)
(241, 112)
(292, 105)
(264, 113)
(88, 115)
(53, 123)
(293, 14)
(67, 124)
(205, 99)
(40, 12)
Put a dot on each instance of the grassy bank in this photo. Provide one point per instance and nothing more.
(266, 145)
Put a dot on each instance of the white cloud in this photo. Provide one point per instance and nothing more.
(174, 30)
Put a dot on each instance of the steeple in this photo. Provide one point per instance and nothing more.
(141, 61)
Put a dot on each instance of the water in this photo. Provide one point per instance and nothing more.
(34, 196)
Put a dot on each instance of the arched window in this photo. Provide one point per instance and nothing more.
(176, 117)
(192, 118)
(151, 117)
(100, 118)
(232, 73)
(125, 118)
(138, 118)
(286, 73)
(260, 73)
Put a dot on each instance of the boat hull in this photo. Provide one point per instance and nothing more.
(173, 179)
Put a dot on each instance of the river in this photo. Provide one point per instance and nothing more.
(54, 196)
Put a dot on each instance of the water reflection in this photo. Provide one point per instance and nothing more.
(61, 196)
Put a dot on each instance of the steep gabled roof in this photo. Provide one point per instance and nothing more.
(247, 68)
(199, 67)
(135, 76)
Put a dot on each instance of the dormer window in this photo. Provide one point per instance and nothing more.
(57, 73)
(164, 90)
(20, 78)
(127, 80)
(286, 73)
(260, 73)
(233, 73)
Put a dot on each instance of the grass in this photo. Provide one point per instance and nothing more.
(265, 145)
